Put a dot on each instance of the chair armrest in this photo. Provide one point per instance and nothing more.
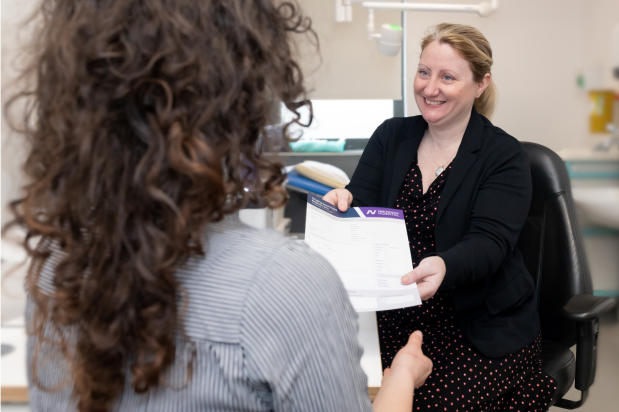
(581, 308)
(585, 310)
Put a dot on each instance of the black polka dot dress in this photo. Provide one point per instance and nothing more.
(463, 379)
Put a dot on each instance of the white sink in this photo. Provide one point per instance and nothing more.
(599, 204)
(589, 154)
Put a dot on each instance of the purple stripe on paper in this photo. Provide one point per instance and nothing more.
(314, 200)
(381, 212)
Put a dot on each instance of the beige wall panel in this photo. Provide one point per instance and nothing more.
(601, 17)
(14, 36)
(351, 67)
(539, 49)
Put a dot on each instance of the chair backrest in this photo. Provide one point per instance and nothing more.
(551, 244)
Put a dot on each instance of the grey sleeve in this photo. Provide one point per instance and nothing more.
(299, 335)
(52, 373)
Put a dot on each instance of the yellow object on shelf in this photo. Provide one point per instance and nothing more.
(324, 173)
(601, 113)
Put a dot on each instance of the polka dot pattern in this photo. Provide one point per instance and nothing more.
(420, 210)
(463, 379)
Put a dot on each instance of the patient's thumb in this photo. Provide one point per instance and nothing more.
(416, 338)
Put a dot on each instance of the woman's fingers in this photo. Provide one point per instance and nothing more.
(331, 197)
(429, 275)
(417, 274)
(343, 203)
(427, 288)
(428, 284)
(408, 278)
(341, 198)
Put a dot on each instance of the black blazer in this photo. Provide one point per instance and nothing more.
(482, 210)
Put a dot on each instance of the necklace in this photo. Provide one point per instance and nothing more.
(441, 168)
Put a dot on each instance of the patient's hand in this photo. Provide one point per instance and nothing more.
(412, 360)
(429, 275)
(341, 198)
(408, 371)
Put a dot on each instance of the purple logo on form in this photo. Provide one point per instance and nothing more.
(381, 212)
(353, 212)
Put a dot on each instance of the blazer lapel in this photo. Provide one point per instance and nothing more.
(464, 160)
(407, 150)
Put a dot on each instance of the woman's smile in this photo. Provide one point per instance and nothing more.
(433, 102)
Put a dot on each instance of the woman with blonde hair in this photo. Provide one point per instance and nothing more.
(146, 292)
(465, 188)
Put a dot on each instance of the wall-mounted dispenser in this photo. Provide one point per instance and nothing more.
(390, 37)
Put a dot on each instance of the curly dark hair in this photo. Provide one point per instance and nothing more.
(143, 124)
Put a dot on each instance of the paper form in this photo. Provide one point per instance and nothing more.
(368, 247)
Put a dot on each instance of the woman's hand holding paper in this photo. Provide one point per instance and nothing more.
(341, 198)
(429, 275)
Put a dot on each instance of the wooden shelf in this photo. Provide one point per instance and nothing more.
(15, 394)
(372, 392)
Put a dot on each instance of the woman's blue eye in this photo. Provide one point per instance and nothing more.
(423, 72)
(449, 78)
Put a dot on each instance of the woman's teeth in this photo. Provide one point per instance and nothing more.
(433, 103)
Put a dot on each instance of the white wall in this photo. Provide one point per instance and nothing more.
(539, 48)
(537, 56)
(601, 16)
(351, 67)
(14, 13)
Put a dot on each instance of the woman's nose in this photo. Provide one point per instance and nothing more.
(432, 88)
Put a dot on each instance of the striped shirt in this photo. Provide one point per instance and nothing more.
(269, 322)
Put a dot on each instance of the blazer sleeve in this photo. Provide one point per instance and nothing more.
(497, 217)
(365, 183)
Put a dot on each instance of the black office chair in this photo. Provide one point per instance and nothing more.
(553, 253)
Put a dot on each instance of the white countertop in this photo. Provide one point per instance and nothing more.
(587, 154)
(368, 337)
(13, 365)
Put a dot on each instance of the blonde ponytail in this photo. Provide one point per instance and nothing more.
(486, 103)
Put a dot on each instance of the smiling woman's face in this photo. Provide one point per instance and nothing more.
(444, 86)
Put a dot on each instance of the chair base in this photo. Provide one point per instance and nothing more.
(558, 363)
(568, 404)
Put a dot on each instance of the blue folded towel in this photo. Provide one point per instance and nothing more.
(298, 181)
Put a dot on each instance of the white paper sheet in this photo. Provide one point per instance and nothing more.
(368, 247)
